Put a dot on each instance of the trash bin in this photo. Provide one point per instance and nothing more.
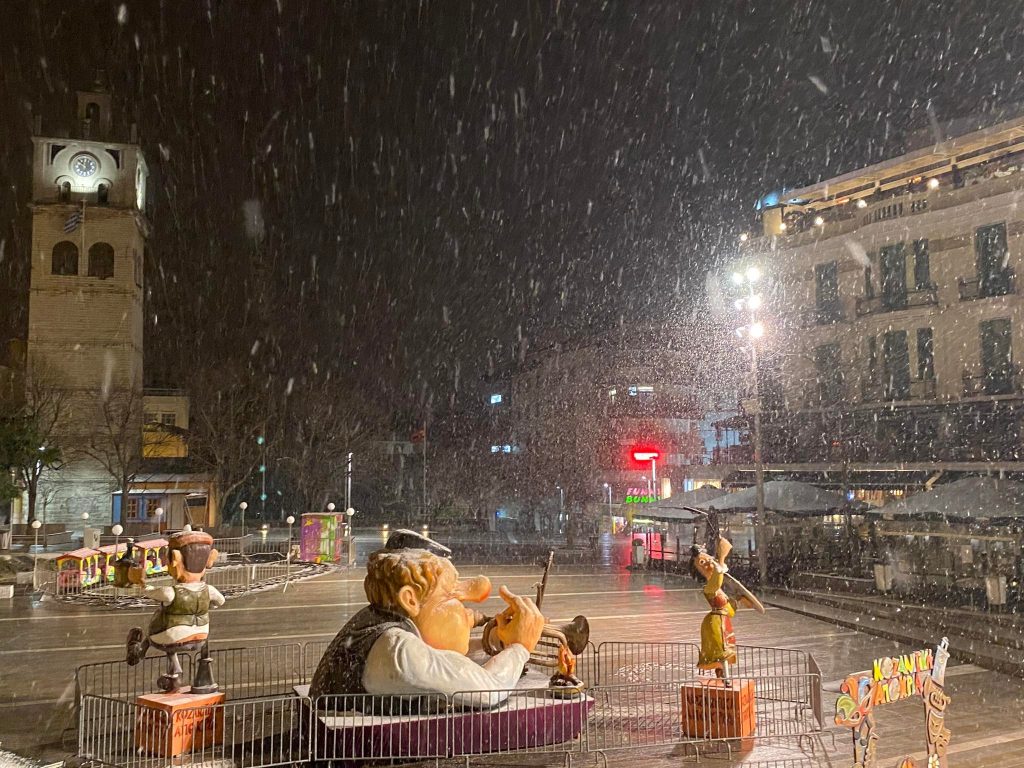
(883, 578)
(639, 554)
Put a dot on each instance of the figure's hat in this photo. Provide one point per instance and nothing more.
(406, 539)
(185, 537)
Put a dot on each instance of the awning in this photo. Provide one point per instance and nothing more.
(970, 498)
(786, 497)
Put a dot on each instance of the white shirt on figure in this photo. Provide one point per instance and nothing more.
(400, 663)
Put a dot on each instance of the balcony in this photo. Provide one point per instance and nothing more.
(826, 315)
(877, 305)
(1000, 284)
(993, 383)
(822, 396)
(917, 389)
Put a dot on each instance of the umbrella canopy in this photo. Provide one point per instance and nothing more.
(970, 497)
(672, 508)
(785, 496)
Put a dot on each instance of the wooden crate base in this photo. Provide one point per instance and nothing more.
(713, 709)
(176, 723)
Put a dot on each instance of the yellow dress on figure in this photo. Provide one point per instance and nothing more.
(717, 640)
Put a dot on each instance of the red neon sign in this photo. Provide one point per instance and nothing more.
(645, 455)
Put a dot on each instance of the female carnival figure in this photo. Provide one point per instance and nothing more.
(717, 640)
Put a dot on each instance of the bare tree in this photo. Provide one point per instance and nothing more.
(325, 421)
(115, 440)
(33, 427)
(229, 411)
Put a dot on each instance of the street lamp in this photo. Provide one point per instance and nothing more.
(651, 456)
(288, 556)
(755, 330)
(243, 506)
(36, 525)
(611, 517)
(349, 513)
(348, 481)
(158, 514)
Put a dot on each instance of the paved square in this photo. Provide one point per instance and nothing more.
(39, 649)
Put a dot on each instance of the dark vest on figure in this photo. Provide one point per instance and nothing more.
(340, 671)
(190, 608)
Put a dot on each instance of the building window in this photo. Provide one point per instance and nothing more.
(130, 509)
(826, 291)
(922, 268)
(869, 283)
(893, 264)
(64, 192)
(997, 357)
(65, 258)
(994, 277)
(102, 194)
(896, 360)
(872, 359)
(168, 419)
(828, 363)
(496, 399)
(150, 418)
(101, 260)
(925, 355)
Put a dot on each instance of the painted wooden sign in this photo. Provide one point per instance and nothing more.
(892, 679)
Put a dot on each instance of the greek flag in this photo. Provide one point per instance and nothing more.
(74, 222)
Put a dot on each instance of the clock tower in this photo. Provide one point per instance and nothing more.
(85, 328)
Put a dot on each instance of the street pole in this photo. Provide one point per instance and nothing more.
(654, 478)
(243, 506)
(348, 481)
(36, 525)
(288, 557)
(761, 530)
(611, 517)
(425, 471)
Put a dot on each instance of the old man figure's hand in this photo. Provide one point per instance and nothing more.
(521, 622)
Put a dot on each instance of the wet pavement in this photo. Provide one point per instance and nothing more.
(40, 648)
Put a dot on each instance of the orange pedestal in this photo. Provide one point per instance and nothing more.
(713, 710)
(172, 724)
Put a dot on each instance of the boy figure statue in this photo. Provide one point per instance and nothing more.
(182, 622)
(411, 642)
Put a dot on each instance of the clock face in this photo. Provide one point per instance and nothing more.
(84, 166)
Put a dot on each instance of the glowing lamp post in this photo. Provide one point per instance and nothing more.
(350, 513)
(611, 517)
(157, 515)
(288, 557)
(754, 331)
(651, 456)
(243, 506)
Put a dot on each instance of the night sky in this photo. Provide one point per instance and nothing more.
(395, 190)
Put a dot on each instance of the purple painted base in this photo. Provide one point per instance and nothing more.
(521, 723)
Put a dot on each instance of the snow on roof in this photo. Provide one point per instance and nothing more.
(970, 497)
(786, 496)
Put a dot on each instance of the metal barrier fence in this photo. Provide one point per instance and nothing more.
(251, 733)
(290, 729)
(638, 698)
